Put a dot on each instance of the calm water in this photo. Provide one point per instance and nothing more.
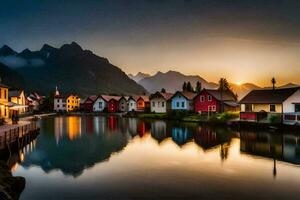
(117, 158)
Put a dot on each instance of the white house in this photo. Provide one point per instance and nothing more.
(59, 102)
(132, 103)
(101, 103)
(160, 102)
(183, 101)
(284, 101)
(123, 104)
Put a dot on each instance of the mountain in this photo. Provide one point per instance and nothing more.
(72, 69)
(172, 81)
(139, 76)
(10, 77)
(243, 89)
(289, 85)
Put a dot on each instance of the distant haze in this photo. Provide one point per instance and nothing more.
(244, 41)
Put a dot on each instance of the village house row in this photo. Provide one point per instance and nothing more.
(255, 106)
(14, 102)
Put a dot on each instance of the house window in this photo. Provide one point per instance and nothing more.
(202, 98)
(213, 108)
(248, 107)
(153, 104)
(100, 105)
(272, 108)
(297, 107)
(182, 104)
(162, 104)
(209, 98)
(5, 94)
(177, 104)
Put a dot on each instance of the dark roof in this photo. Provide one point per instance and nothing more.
(187, 95)
(166, 96)
(145, 98)
(3, 85)
(269, 95)
(226, 96)
(14, 93)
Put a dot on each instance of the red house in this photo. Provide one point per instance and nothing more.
(88, 103)
(113, 104)
(210, 101)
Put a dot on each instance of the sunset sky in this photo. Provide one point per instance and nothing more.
(244, 41)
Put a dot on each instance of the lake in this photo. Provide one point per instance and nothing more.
(87, 157)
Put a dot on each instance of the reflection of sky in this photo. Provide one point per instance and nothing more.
(146, 169)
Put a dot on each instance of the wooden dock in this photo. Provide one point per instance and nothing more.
(17, 134)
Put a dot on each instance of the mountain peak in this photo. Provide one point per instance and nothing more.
(47, 47)
(71, 48)
(6, 50)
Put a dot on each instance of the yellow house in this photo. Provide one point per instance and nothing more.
(73, 102)
(18, 97)
(4, 111)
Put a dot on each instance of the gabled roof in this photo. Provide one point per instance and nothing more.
(145, 98)
(166, 96)
(124, 97)
(109, 97)
(3, 85)
(226, 95)
(14, 93)
(134, 98)
(187, 95)
(267, 96)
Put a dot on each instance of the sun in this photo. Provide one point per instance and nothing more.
(239, 83)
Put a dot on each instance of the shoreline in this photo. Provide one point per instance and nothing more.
(202, 120)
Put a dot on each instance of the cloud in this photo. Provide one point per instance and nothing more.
(13, 61)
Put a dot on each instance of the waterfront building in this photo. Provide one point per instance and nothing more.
(211, 101)
(160, 102)
(143, 103)
(183, 100)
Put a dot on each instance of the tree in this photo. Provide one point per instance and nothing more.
(189, 87)
(184, 86)
(163, 90)
(198, 87)
(273, 81)
(223, 86)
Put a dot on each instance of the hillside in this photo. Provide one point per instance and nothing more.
(171, 81)
(70, 68)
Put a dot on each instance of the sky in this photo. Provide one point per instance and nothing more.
(241, 40)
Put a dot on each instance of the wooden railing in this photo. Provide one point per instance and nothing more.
(12, 135)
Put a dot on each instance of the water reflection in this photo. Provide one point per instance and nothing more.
(72, 144)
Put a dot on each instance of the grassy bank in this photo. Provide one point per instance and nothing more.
(186, 116)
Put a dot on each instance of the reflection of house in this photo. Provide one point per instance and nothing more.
(132, 126)
(206, 138)
(143, 103)
(211, 101)
(270, 102)
(4, 101)
(159, 130)
(291, 148)
(160, 102)
(142, 128)
(183, 101)
(18, 97)
(112, 123)
(123, 104)
(181, 135)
